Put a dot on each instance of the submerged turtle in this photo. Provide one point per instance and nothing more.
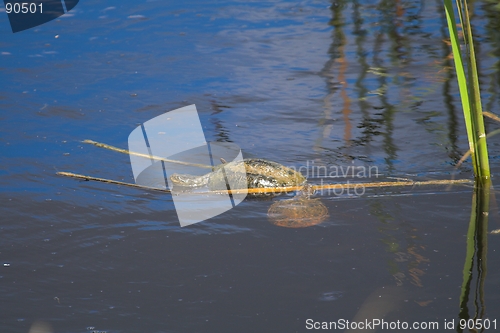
(252, 173)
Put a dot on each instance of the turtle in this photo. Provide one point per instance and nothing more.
(301, 211)
(252, 173)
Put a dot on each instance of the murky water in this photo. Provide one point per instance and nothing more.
(307, 84)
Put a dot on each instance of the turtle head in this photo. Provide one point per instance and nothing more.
(189, 180)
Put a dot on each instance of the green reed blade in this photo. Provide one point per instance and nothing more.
(462, 81)
(481, 148)
(469, 88)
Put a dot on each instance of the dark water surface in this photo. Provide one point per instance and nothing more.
(306, 83)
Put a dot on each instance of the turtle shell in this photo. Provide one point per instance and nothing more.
(297, 213)
(258, 173)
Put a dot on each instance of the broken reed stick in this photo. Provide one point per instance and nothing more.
(282, 189)
(495, 132)
(110, 181)
(152, 157)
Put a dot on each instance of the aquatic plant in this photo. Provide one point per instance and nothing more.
(475, 259)
(469, 87)
(475, 266)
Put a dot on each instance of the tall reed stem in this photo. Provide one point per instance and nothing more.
(469, 87)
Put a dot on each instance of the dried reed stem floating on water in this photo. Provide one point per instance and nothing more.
(152, 157)
(110, 181)
(282, 189)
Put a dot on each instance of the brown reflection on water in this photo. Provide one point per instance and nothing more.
(339, 35)
(346, 111)
(407, 259)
